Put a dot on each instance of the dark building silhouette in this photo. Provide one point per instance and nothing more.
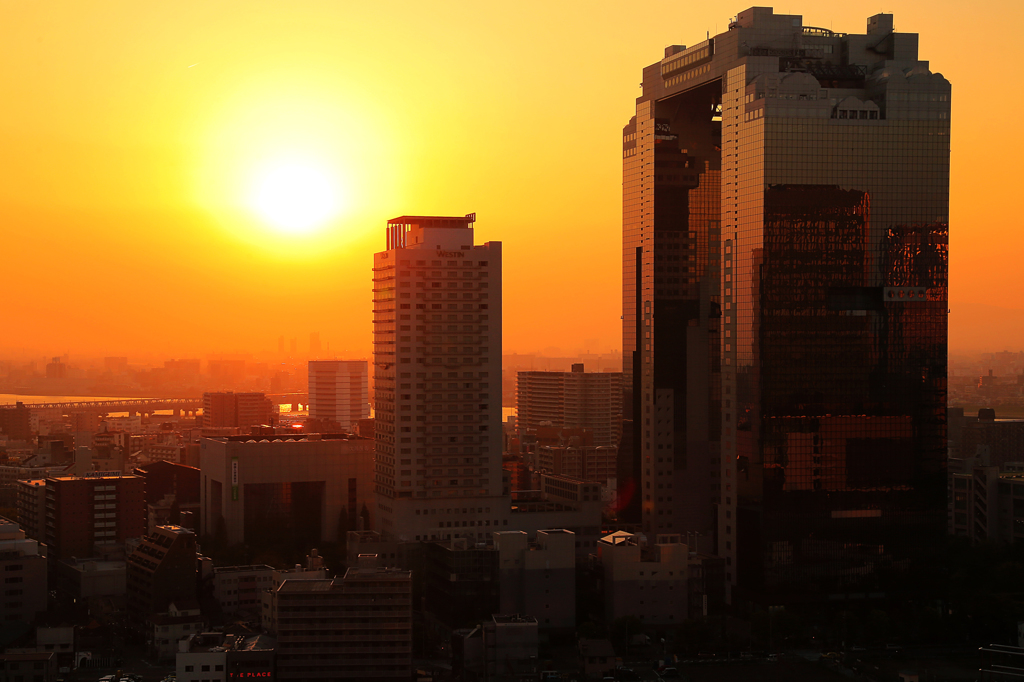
(169, 478)
(171, 489)
(16, 422)
(461, 582)
(785, 259)
(161, 571)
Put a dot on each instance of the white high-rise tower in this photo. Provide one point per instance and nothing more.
(339, 391)
(437, 380)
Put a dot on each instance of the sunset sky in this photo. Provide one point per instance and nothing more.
(134, 134)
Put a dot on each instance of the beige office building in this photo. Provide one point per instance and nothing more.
(296, 485)
(339, 391)
(437, 375)
(575, 400)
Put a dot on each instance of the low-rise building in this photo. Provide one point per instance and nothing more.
(539, 577)
(23, 566)
(649, 582)
(293, 488)
(166, 629)
(217, 657)
(503, 647)
(362, 626)
(34, 667)
(461, 586)
(92, 577)
(85, 512)
(313, 569)
(240, 588)
(161, 589)
(30, 495)
(988, 505)
(597, 656)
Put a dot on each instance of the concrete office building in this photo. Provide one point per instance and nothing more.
(503, 647)
(538, 578)
(785, 241)
(93, 577)
(358, 627)
(23, 567)
(987, 505)
(240, 588)
(162, 601)
(217, 657)
(16, 422)
(437, 373)
(1002, 439)
(460, 582)
(649, 582)
(30, 496)
(575, 400)
(285, 487)
(39, 667)
(237, 410)
(313, 569)
(339, 391)
(86, 513)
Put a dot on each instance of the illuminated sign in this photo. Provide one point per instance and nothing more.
(245, 676)
(234, 479)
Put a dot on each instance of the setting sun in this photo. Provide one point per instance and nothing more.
(295, 197)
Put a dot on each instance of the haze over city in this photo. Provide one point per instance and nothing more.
(510, 343)
(134, 136)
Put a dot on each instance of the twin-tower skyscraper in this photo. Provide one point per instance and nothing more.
(785, 267)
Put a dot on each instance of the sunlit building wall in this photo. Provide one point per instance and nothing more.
(339, 391)
(437, 379)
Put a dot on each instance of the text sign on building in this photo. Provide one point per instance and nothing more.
(234, 479)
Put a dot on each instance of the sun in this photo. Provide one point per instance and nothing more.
(295, 197)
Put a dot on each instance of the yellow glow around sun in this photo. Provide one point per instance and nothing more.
(295, 197)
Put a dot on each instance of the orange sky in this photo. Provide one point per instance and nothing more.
(129, 131)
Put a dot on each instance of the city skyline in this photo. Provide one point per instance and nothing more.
(765, 459)
(121, 190)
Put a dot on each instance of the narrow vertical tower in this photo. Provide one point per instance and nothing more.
(437, 375)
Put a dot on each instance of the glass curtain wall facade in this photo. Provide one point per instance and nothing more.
(830, 156)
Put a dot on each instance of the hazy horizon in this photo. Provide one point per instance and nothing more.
(134, 136)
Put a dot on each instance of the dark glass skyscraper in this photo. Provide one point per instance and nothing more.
(785, 251)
